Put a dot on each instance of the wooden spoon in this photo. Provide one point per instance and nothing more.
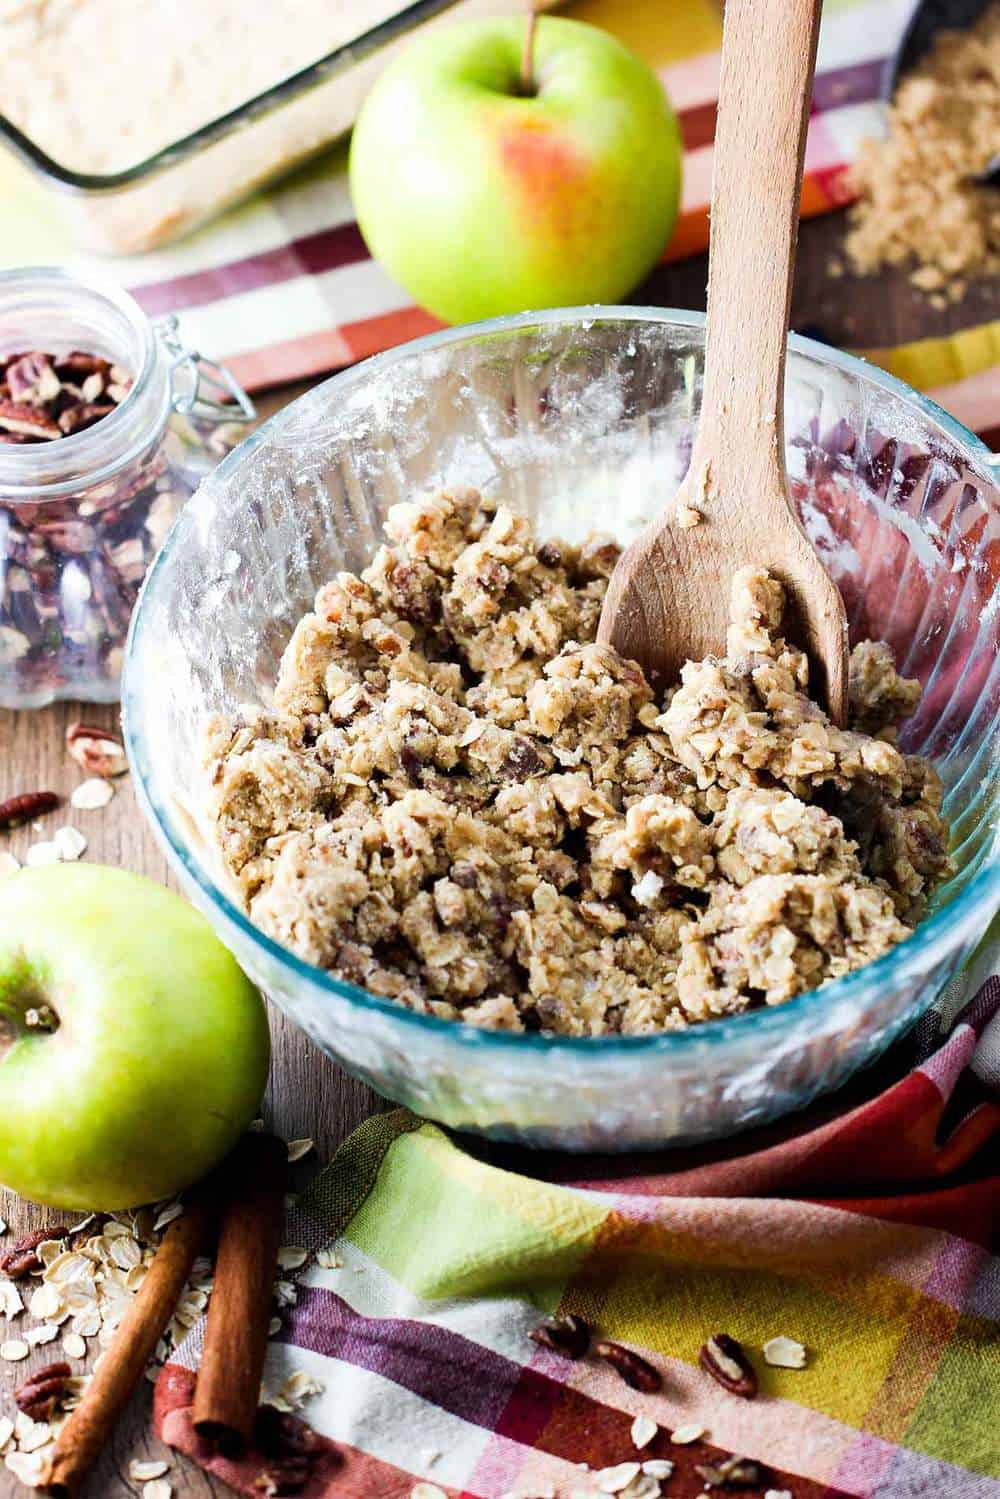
(668, 600)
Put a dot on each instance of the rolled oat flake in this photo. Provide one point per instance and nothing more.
(683, 1435)
(143, 1472)
(91, 795)
(643, 1430)
(784, 1353)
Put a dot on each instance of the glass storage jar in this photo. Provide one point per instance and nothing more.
(81, 517)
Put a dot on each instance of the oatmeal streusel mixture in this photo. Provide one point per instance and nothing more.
(460, 801)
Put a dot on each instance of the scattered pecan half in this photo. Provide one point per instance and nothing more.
(18, 809)
(97, 750)
(289, 1446)
(726, 1360)
(21, 1259)
(732, 1473)
(42, 1392)
(278, 1434)
(633, 1368)
(567, 1334)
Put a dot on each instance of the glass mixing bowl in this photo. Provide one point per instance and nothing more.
(583, 419)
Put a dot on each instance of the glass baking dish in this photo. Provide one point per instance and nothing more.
(194, 178)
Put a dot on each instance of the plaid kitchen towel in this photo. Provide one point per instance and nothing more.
(283, 287)
(867, 1229)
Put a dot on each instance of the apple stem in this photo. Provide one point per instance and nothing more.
(16, 1023)
(528, 55)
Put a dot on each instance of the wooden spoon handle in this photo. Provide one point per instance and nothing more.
(768, 53)
(668, 599)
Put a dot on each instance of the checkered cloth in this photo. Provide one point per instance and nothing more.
(867, 1229)
(283, 287)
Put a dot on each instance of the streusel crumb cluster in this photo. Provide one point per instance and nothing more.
(460, 801)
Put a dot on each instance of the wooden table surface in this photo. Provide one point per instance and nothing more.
(309, 1095)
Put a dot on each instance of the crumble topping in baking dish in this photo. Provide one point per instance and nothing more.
(103, 84)
(460, 801)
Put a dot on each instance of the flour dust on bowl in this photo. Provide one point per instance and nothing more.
(582, 420)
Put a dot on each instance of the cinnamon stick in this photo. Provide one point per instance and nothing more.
(228, 1387)
(81, 1440)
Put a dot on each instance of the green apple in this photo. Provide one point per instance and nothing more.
(156, 1055)
(482, 199)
